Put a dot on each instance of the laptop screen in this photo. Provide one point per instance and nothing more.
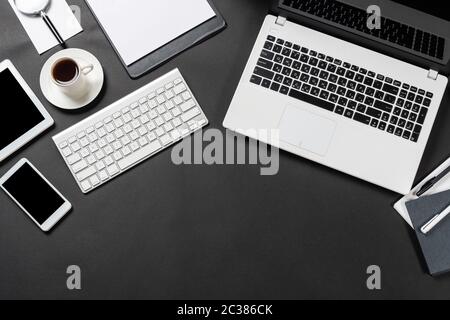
(433, 7)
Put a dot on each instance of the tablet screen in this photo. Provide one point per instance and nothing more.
(33, 193)
(19, 114)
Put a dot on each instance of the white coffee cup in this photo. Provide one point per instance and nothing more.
(70, 77)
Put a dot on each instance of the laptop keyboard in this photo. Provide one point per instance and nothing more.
(372, 99)
(356, 18)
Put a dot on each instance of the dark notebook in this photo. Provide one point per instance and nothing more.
(435, 245)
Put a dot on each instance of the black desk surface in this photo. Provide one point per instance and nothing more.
(199, 232)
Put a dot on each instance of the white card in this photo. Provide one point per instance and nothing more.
(441, 186)
(139, 27)
(62, 17)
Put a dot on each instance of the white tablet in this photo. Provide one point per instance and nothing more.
(35, 195)
(22, 115)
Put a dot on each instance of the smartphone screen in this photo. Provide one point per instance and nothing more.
(33, 193)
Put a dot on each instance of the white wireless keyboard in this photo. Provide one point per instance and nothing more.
(130, 131)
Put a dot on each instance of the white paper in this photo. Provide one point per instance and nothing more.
(62, 17)
(139, 27)
(441, 186)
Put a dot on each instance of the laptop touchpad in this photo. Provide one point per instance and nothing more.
(307, 130)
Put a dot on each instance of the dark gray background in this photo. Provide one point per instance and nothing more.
(199, 232)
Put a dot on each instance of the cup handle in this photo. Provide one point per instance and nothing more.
(87, 69)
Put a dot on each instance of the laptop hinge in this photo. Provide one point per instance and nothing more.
(433, 74)
(281, 21)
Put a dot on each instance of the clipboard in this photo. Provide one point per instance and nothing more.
(160, 56)
(441, 186)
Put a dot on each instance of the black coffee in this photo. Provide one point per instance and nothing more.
(65, 71)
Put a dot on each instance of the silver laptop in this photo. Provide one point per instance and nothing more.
(360, 100)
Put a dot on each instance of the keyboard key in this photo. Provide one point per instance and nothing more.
(264, 73)
(72, 140)
(117, 156)
(333, 98)
(312, 100)
(118, 123)
(265, 63)
(339, 110)
(391, 89)
(168, 127)
(394, 120)
(254, 79)
(113, 170)
(348, 113)
(103, 175)
(73, 159)
(361, 108)
(108, 161)
(190, 114)
(142, 142)
(166, 139)
(383, 106)
(385, 117)
(397, 111)
(85, 185)
(134, 146)
(389, 98)
(275, 86)
(374, 113)
(267, 55)
(180, 88)
(422, 115)
(175, 135)
(413, 116)
(79, 166)
(382, 126)
(187, 105)
(136, 124)
(159, 121)
(391, 129)
(67, 152)
(417, 129)
(126, 151)
(84, 153)
(268, 45)
(94, 180)
(160, 132)
(75, 146)
(139, 155)
(266, 83)
(83, 175)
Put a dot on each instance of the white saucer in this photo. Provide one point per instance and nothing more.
(95, 80)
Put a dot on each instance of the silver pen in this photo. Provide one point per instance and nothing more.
(436, 220)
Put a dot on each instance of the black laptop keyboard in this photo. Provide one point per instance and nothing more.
(356, 18)
(340, 87)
